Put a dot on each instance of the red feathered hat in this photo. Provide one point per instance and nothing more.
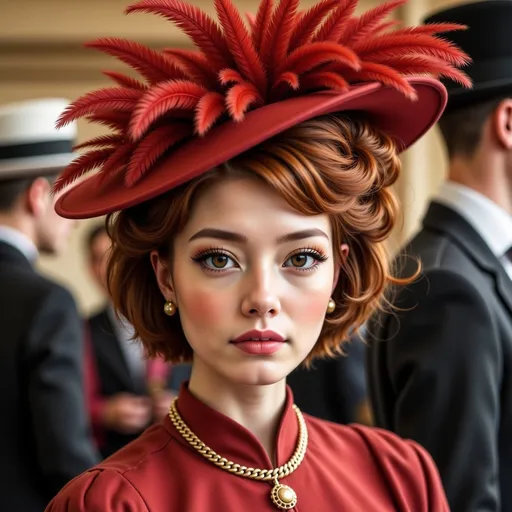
(248, 82)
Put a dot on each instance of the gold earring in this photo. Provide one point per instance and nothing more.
(169, 308)
(331, 306)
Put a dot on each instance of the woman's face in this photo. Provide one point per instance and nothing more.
(248, 266)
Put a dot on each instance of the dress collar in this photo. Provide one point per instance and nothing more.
(230, 439)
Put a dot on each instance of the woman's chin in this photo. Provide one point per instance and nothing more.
(260, 373)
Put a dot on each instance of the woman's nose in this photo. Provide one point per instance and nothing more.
(261, 297)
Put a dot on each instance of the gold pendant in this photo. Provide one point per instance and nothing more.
(283, 496)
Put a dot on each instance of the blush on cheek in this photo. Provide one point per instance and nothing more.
(203, 309)
(311, 311)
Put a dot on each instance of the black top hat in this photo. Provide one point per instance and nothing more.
(488, 41)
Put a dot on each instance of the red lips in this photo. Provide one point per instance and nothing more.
(262, 336)
(262, 343)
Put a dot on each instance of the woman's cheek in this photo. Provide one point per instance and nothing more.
(310, 310)
(204, 307)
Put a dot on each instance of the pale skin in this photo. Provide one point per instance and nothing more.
(489, 169)
(33, 214)
(247, 260)
(125, 413)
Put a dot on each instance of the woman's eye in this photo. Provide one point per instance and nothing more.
(303, 261)
(218, 262)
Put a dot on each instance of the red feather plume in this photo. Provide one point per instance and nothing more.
(101, 141)
(318, 80)
(203, 31)
(114, 120)
(310, 56)
(385, 25)
(392, 45)
(208, 110)
(372, 71)
(118, 160)
(194, 65)
(307, 22)
(125, 81)
(423, 64)
(432, 28)
(82, 165)
(151, 148)
(103, 100)
(292, 79)
(240, 97)
(276, 39)
(251, 20)
(240, 44)
(153, 66)
(360, 28)
(174, 95)
(281, 53)
(227, 76)
(262, 23)
(334, 25)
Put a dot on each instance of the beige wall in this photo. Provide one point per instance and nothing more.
(41, 55)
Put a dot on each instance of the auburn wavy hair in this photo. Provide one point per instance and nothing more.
(335, 165)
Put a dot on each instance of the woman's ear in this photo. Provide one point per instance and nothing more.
(163, 276)
(337, 267)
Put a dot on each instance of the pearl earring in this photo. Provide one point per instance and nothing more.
(169, 308)
(331, 306)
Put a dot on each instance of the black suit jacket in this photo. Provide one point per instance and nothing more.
(113, 375)
(44, 437)
(440, 368)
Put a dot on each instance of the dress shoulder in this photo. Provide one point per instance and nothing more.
(98, 490)
(117, 484)
(408, 468)
(383, 460)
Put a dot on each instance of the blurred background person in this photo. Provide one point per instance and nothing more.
(441, 363)
(125, 391)
(44, 435)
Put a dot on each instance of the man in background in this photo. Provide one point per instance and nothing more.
(441, 364)
(44, 436)
(126, 392)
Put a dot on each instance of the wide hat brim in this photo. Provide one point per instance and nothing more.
(403, 119)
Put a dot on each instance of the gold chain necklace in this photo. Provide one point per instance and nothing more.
(282, 496)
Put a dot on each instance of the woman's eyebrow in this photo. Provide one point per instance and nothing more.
(231, 236)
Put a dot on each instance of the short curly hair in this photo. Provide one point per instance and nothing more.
(336, 165)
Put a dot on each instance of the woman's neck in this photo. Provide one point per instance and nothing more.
(257, 408)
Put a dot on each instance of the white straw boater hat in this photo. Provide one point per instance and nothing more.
(30, 144)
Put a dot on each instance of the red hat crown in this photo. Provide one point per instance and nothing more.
(282, 52)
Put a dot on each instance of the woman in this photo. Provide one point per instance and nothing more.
(247, 212)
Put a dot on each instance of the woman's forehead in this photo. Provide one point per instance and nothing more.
(246, 205)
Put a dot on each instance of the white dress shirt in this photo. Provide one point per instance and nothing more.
(19, 241)
(490, 221)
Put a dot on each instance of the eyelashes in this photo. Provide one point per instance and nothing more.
(217, 259)
(301, 256)
(217, 256)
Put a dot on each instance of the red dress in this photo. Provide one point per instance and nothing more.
(346, 469)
